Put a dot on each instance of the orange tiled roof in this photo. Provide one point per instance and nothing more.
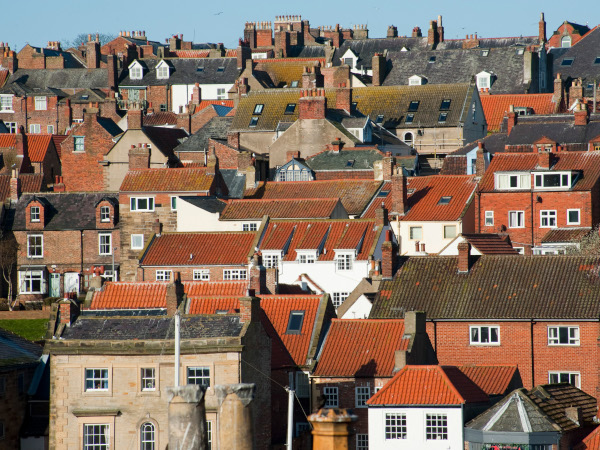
(190, 53)
(215, 288)
(160, 118)
(332, 234)
(58, 140)
(425, 194)
(37, 146)
(199, 249)
(206, 103)
(280, 209)
(362, 347)
(210, 305)
(495, 107)
(7, 140)
(186, 179)
(354, 194)
(588, 162)
(493, 380)
(591, 441)
(3, 76)
(131, 295)
(428, 385)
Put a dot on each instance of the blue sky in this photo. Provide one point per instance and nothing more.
(223, 20)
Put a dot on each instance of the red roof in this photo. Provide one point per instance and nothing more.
(206, 103)
(160, 118)
(361, 347)
(31, 182)
(588, 162)
(311, 235)
(58, 140)
(199, 249)
(428, 385)
(3, 76)
(493, 380)
(215, 288)
(495, 107)
(280, 209)
(186, 179)
(591, 441)
(190, 53)
(425, 194)
(130, 295)
(37, 144)
(354, 194)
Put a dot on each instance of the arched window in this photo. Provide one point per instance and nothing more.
(408, 139)
(147, 436)
(565, 41)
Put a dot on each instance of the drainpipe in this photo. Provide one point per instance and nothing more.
(532, 355)
(532, 220)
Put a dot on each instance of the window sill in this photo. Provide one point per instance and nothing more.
(485, 344)
(564, 345)
(6, 111)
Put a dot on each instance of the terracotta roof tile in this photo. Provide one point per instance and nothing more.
(3, 76)
(496, 106)
(215, 288)
(565, 235)
(7, 140)
(206, 103)
(493, 380)
(354, 194)
(428, 385)
(37, 146)
(591, 441)
(58, 140)
(490, 244)
(199, 249)
(210, 305)
(187, 179)
(30, 182)
(190, 53)
(361, 348)
(280, 209)
(130, 295)
(160, 118)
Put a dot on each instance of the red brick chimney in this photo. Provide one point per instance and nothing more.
(196, 94)
(416, 32)
(15, 186)
(59, 185)
(581, 115)
(244, 55)
(542, 29)
(387, 256)
(272, 279)
(480, 159)
(257, 275)
(544, 159)
(156, 227)
(378, 64)
(312, 104)
(399, 194)
(292, 154)
(464, 252)
(233, 139)
(68, 310)
(135, 119)
(343, 99)
(432, 34)
(336, 146)
(381, 215)
(512, 119)
(249, 307)
(139, 157)
(92, 52)
(387, 165)
(559, 93)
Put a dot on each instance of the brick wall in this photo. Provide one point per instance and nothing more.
(344, 175)
(202, 118)
(159, 95)
(187, 273)
(227, 156)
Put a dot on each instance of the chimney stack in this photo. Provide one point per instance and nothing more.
(392, 32)
(139, 157)
(512, 119)
(387, 256)
(399, 193)
(336, 146)
(236, 429)
(67, 310)
(196, 95)
(15, 187)
(464, 253)
(379, 67)
(135, 118)
(174, 294)
(544, 159)
(480, 159)
(332, 428)
(381, 216)
(312, 104)
(542, 29)
(59, 185)
(249, 307)
(92, 52)
(416, 32)
(581, 115)
(187, 417)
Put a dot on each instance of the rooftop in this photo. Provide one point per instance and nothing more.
(298, 208)
(186, 179)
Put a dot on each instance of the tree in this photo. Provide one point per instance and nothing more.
(82, 38)
(589, 245)
(8, 262)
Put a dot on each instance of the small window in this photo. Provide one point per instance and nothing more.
(445, 105)
(199, 69)
(85, 97)
(362, 442)
(331, 397)
(567, 62)
(295, 83)
(444, 200)
(96, 437)
(96, 379)
(431, 59)
(137, 241)
(339, 297)
(173, 203)
(220, 69)
(597, 60)
(484, 335)
(34, 214)
(350, 163)
(209, 434)
(163, 107)
(520, 51)
(395, 426)
(449, 231)
(436, 427)
(442, 117)
(270, 261)
(198, 376)
(35, 128)
(148, 379)
(383, 194)
(164, 275)
(573, 217)
(147, 436)
(104, 214)
(414, 105)
(295, 322)
(6, 103)
(249, 226)
(105, 244)
(79, 143)
(416, 233)
(489, 218)
(35, 246)
(485, 52)
(565, 42)
(50, 129)
(362, 394)
(135, 73)
(573, 378)
(163, 72)
(548, 219)
(253, 122)
(516, 219)
(349, 62)
(344, 261)
(40, 103)
(290, 108)
(142, 204)
(201, 275)
(258, 108)
(409, 118)
(563, 335)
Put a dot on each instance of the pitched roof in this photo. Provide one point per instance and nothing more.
(496, 287)
(565, 235)
(215, 288)
(16, 351)
(354, 194)
(490, 244)
(559, 128)
(591, 441)
(37, 144)
(215, 128)
(186, 179)
(493, 380)
(348, 159)
(325, 235)
(587, 162)
(196, 249)
(495, 107)
(361, 348)
(206, 103)
(58, 140)
(428, 385)
(426, 193)
(321, 208)
(165, 139)
(160, 118)
(28, 82)
(284, 71)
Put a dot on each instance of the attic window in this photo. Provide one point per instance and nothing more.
(442, 118)
(444, 200)
(485, 52)
(410, 191)
(295, 83)
(350, 163)
(85, 97)
(445, 105)
(414, 105)
(383, 194)
(221, 69)
(432, 59)
(379, 119)
(567, 62)
(597, 60)
(199, 69)
(253, 121)
(258, 108)
(353, 105)
(409, 118)
(290, 108)
(295, 322)
(135, 73)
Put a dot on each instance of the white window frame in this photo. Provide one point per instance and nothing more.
(134, 238)
(26, 280)
(573, 337)
(174, 203)
(35, 128)
(41, 103)
(78, 144)
(548, 218)
(361, 395)
(331, 395)
(235, 274)
(395, 426)
(35, 246)
(489, 218)
(6, 103)
(148, 379)
(162, 71)
(98, 431)
(221, 94)
(50, 129)
(477, 340)
(103, 378)
(202, 375)
(512, 181)
(105, 214)
(338, 298)
(569, 222)
(134, 204)
(201, 275)
(271, 260)
(412, 234)
(520, 219)
(571, 375)
(148, 436)
(566, 178)
(249, 226)
(344, 261)
(449, 235)
(164, 275)
(436, 425)
(307, 258)
(136, 72)
(34, 214)
(102, 244)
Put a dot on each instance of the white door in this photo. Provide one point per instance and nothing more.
(71, 282)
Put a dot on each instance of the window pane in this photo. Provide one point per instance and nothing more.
(494, 334)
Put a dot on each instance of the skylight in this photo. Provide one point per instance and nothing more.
(295, 83)
(442, 118)
(445, 105)
(258, 108)
(414, 105)
(85, 97)
(432, 59)
(350, 163)
(567, 62)
(379, 119)
(444, 200)
(485, 52)
(200, 69)
(597, 60)
(409, 118)
(383, 193)
(290, 108)
(221, 69)
(295, 322)
(253, 122)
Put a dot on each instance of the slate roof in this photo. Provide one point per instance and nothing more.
(165, 139)
(559, 128)
(428, 385)
(495, 107)
(196, 249)
(459, 66)
(152, 328)
(490, 244)
(368, 348)
(324, 235)
(424, 202)
(235, 182)
(496, 287)
(28, 82)
(185, 71)
(64, 211)
(280, 209)
(16, 352)
(86, 96)
(361, 158)
(215, 128)
(587, 162)
(185, 179)
(354, 194)
(365, 49)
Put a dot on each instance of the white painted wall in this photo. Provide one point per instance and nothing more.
(415, 426)
(192, 218)
(452, 248)
(359, 310)
(432, 236)
(182, 93)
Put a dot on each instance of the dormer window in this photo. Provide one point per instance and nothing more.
(344, 261)
(597, 60)
(199, 69)
(221, 69)
(505, 181)
(34, 214)
(271, 260)
(444, 201)
(520, 51)
(104, 214)
(554, 180)
(565, 42)
(307, 256)
(484, 80)
(162, 71)
(135, 71)
(417, 80)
